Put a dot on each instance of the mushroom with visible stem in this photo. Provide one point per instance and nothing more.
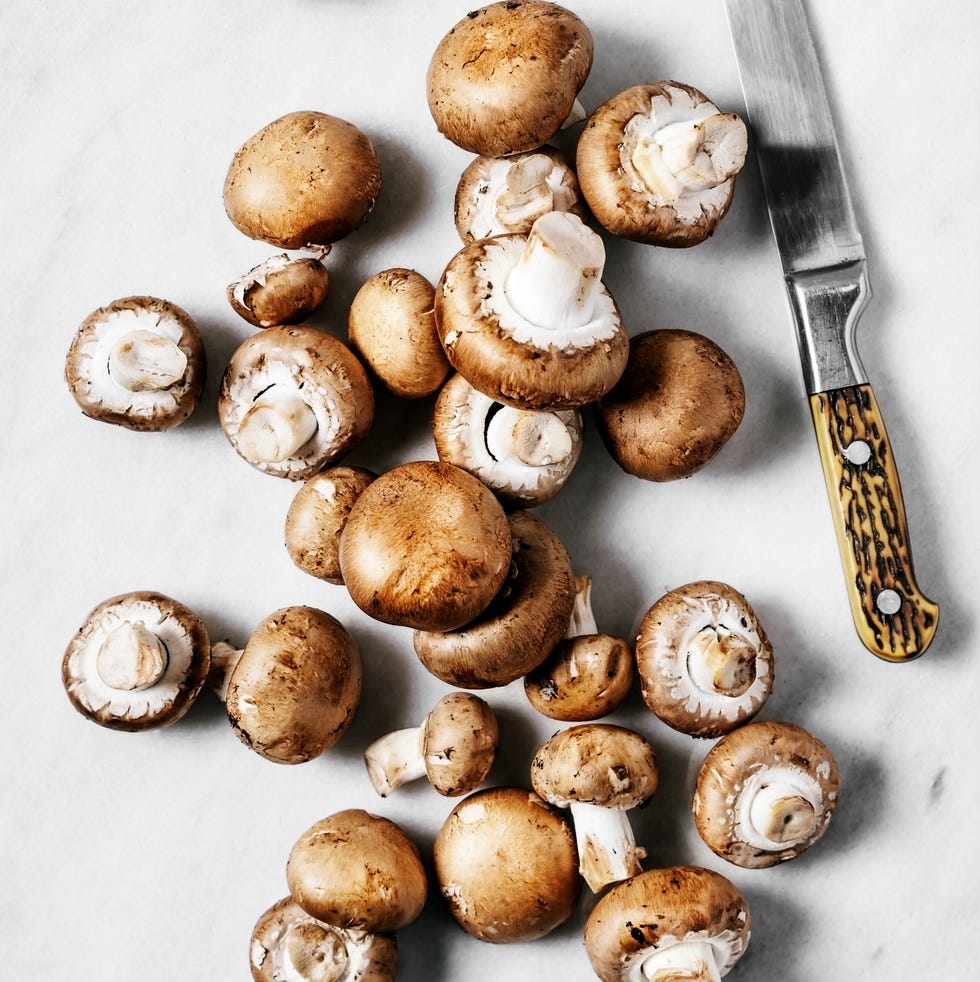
(279, 291)
(599, 771)
(765, 793)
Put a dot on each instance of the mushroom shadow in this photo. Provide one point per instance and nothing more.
(782, 930)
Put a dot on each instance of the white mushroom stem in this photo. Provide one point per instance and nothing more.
(607, 849)
(526, 195)
(537, 439)
(583, 619)
(277, 425)
(141, 361)
(224, 658)
(395, 759)
(721, 661)
(131, 657)
(686, 961)
(778, 807)
(576, 115)
(556, 281)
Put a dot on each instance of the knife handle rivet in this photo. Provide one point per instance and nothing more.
(857, 453)
(889, 602)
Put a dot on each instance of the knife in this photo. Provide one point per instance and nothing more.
(827, 283)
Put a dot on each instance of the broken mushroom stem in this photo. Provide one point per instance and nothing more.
(721, 661)
(582, 621)
(131, 657)
(146, 361)
(224, 657)
(686, 961)
(782, 809)
(276, 426)
(527, 195)
(606, 844)
(395, 759)
(535, 438)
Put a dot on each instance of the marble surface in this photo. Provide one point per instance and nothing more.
(150, 856)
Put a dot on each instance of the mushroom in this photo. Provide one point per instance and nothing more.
(599, 771)
(391, 324)
(522, 624)
(506, 865)
(503, 195)
(356, 870)
(303, 181)
(288, 945)
(667, 925)
(678, 402)
(765, 793)
(291, 693)
(588, 674)
(138, 362)
(657, 163)
(280, 290)
(454, 748)
(426, 545)
(294, 400)
(137, 662)
(525, 456)
(527, 320)
(506, 77)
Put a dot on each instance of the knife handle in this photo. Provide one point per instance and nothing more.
(892, 616)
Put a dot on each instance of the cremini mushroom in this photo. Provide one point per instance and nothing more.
(657, 163)
(357, 870)
(588, 674)
(426, 545)
(292, 691)
(703, 659)
(288, 945)
(520, 626)
(678, 402)
(765, 793)
(599, 771)
(667, 925)
(525, 456)
(506, 77)
(137, 662)
(506, 865)
(280, 290)
(303, 181)
(454, 748)
(294, 400)
(527, 320)
(138, 362)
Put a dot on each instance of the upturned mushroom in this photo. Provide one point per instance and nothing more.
(359, 871)
(599, 771)
(280, 290)
(294, 400)
(454, 748)
(703, 659)
(137, 662)
(506, 865)
(138, 362)
(657, 163)
(527, 320)
(667, 925)
(506, 77)
(765, 793)
(679, 401)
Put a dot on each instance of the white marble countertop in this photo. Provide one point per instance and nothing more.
(150, 856)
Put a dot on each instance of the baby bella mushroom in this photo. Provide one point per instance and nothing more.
(280, 290)
(765, 793)
(657, 163)
(137, 662)
(703, 659)
(138, 362)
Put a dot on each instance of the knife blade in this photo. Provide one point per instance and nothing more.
(825, 272)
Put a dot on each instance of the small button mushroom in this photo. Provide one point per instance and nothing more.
(391, 324)
(678, 402)
(454, 748)
(665, 925)
(765, 793)
(657, 163)
(520, 626)
(506, 77)
(426, 545)
(527, 320)
(280, 291)
(288, 945)
(137, 662)
(356, 870)
(588, 674)
(525, 456)
(599, 771)
(138, 362)
(703, 659)
(506, 865)
(305, 180)
(294, 400)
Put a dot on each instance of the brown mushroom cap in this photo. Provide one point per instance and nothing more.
(306, 179)
(296, 685)
(280, 291)
(505, 78)
(678, 402)
(765, 793)
(459, 743)
(357, 870)
(506, 864)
